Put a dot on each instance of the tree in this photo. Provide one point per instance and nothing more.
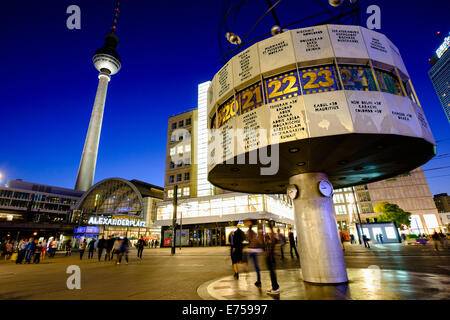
(392, 212)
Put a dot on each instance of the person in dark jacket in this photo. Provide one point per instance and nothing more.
(37, 252)
(100, 247)
(270, 242)
(237, 256)
(140, 247)
(292, 244)
(30, 249)
(109, 247)
(91, 247)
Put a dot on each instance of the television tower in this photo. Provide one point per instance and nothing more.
(107, 62)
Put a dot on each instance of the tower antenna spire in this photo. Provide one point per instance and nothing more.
(116, 14)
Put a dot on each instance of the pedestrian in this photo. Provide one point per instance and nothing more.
(31, 247)
(292, 244)
(91, 248)
(21, 251)
(124, 249)
(403, 237)
(101, 245)
(69, 248)
(381, 238)
(436, 239)
(237, 256)
(366, 241)
(140, 247)
(9, 249)
(116, 250)
(270, 242)
(342, 240)
(44, 249)
(109, 248)
(230, 240)
(37, 253)
(83, 245)
(352, 239)
(443, 240)
(282, 241)
(156, 243)
(255, 248)
(55, 245)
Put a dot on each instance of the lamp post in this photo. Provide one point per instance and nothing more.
(174, 218)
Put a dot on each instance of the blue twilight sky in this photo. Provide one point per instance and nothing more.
(48, 82)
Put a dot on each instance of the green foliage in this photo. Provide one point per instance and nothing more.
(392, 212)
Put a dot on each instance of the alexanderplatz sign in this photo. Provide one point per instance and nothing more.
(308, 110)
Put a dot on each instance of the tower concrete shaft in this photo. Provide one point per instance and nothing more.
(86, 171)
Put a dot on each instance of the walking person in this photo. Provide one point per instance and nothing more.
(69, 248)
(443, 240)
(91, 248)
(124, 249)
(21, 248)
(156, 243)
(270, 242)
(436, 239)
(116, 250)
(44, 249)
(230, 240)
(255, 248)
(55, 245)
(292, 244)
(366, 241)
(83, 246)
(101, 245)
(140, 247)
(37, 253)
(342, 240)
(282, 241)
(31, 247)
(8, 249)
(109, 248)
(237, 256)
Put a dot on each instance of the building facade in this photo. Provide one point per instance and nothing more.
(440, 74)
(118, 207)
(442, 201)
(27, 208)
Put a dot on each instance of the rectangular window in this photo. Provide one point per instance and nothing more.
(180, 149)
(171, 165)
(187, 161)
(173, 151)
(340, 209)
(172, 138)
(188, 121)
(170, 193)
(179, 193)
(366, 207)
(174, 125)
(187, 148)
(186, 176)
(179, 177)
(186, 192)
(171, 179)
(180, 123)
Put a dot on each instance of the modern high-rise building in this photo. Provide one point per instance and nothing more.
(442, 201)
(440, 74)
(107, 61)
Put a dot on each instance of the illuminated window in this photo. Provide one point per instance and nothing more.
(187, 148)
(173, 151)
(340, 209)
(338, 198)
(180, 149)
(179, 192)
(170, 193)
(186, 192)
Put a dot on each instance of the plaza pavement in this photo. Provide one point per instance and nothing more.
(206, 273)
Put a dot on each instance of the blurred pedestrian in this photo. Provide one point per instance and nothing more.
(21, 248)
(69, 248)
(436, 239)
(54, 244)
(91, 248)
(282, 241)
(237, 256)
(82, 248)
(366, 241)
(292, 244)
(8, 249)
(140, 247)
(342, 240)
(443, 240)
(230, 240)
(37, 253)
(101, 245)
(255, 248)
(116, 250)
(124, 250)
(44, 249)
(31, 247)
(270, 242)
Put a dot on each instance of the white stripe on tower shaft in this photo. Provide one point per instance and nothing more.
(88, 161)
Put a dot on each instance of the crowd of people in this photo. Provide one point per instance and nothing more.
(252, 245)
(32, 250)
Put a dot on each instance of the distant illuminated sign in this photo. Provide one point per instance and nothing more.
(443, 48)
(116, 222)
(86, 230)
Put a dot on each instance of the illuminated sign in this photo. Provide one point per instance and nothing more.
(319, 79)
(86, 230)
(443, 48)
(116, 222)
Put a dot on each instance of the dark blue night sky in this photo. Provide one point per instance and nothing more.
(48, 82)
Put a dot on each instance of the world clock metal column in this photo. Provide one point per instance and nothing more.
(107, 62)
